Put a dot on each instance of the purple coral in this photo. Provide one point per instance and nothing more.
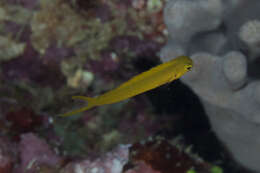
(55, 54)
(134, 44)
(108, 63)
(103, 12)
(21, 32)
(29, 67)
(7, 155)
(29, 4)
(35, 152)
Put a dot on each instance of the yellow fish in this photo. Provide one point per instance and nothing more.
(143, 82)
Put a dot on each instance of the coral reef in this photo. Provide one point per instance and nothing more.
(8, 155)
(164, 157)
(23, 120)
(53, 49)
(156, 155)
(111, 162)
(10, 49)
(40, 154)
(222, 37)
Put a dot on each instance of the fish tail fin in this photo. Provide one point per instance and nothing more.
(90, 101)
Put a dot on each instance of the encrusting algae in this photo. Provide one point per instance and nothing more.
(155, 77)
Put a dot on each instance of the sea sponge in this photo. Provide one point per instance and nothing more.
(222, 38)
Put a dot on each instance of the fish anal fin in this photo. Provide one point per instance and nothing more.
(90, 104)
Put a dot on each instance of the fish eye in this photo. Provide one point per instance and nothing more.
(188, 68)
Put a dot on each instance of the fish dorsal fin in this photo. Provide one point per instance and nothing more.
(145, 74)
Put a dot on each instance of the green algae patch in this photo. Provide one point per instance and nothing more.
(10, 49)
(56, 21)
(216, 169)
(191, 171)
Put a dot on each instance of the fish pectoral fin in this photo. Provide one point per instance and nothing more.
(172, 78)
(90, 102)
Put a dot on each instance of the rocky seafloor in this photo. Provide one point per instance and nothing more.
(51, 50)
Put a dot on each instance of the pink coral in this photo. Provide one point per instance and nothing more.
(35, 152)
(7, 151)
